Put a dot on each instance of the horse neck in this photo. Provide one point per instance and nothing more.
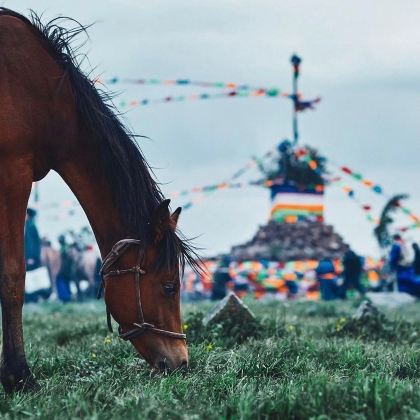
(84, 174)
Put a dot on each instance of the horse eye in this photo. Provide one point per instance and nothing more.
(169, 289)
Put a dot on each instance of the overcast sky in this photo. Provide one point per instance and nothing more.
(362, 57)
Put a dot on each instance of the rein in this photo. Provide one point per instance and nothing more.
(141, 326)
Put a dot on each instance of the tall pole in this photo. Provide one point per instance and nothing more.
(295, 60)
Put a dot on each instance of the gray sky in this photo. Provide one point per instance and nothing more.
(362, 57)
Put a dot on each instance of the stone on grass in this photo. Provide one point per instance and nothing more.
(390, 299)
(231, 308)
(366, 310)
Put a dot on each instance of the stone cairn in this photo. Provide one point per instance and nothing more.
(231, 309)
(304, 240)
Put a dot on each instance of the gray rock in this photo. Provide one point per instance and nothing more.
(229, 308)
(390, 299)
(366, 310)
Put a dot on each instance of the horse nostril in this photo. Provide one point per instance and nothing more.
(183, 365)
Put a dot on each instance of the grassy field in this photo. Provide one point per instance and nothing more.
(302, 360)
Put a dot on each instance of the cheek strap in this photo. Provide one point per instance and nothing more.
(141, 326)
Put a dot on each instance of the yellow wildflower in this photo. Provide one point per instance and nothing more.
(340, 324)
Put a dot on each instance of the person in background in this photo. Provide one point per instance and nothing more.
(291, 284)
(327, 278)
(221, 278)
(32, 242)
(352, 273)
(66, 270)
(240, 285)
(400, 263)
(416, 262)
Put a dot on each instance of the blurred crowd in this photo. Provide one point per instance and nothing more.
(68, 270)
(327, 279)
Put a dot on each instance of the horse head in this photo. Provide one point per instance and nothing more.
(142, 292)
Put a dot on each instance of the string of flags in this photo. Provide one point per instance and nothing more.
(366, 208)
(234, 90)
(180, 82)
(257, 93)
(378, 190)
(360, 178)
(67, 206)
(301, 153)
(253, 162)
(227, 185)
(408, 227)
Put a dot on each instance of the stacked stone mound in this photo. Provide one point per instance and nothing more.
(232, 309)
(305, 240)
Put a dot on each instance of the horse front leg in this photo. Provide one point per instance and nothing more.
(14, 194)
(14, 371)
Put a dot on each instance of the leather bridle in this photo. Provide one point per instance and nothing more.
(141, 326)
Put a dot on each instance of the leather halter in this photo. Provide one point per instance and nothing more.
(106, 273)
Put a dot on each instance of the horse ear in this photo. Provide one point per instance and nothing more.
(175, 217)
(161, 220)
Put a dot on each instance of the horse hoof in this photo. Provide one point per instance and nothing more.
(28, 384)
(18, 380)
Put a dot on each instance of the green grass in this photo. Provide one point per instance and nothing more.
(302, 360)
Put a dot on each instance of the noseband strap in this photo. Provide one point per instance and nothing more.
(106, 273)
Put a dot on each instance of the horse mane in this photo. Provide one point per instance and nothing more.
(135, 192)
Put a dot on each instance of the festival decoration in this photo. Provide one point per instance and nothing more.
(268, 183)
(297, 186)
(304, 105)
(292, 207)
(241, 171)
(252, 163)
(408, 227)
(378, 190)
(299, 193)
(366, 208)
(181, 82)
(258, 93)
(235, 90)
(218, 187)
(268, 277)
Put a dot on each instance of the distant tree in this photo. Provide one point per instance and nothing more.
(381, 232)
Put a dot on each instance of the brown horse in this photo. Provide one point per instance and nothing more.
(53, 118)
